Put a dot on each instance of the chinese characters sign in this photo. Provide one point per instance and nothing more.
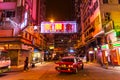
(59, 27)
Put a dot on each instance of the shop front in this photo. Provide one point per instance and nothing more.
(38, 55)
(17, 52)
(115, 54)
(114, 47)
(105, 58)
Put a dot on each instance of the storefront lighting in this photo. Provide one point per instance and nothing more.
(51, 47)
(35, 27)
(71, 51)
(91, 52)
(119, 50)
(95, 49)
(105, 46)
(62, 40)
(106, 53)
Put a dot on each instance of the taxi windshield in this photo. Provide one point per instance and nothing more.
(68, 60)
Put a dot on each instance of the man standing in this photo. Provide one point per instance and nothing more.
(26, 64)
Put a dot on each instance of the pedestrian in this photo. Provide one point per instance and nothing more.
(26, 64)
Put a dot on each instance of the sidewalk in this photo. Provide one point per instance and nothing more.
(114, 68)
(20, 68)
(109, 66)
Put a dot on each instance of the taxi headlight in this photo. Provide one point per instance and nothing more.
(57, 65)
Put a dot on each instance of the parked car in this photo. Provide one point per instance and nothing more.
(69, 64)
(5, 62)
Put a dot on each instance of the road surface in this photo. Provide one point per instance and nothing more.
(47, 71)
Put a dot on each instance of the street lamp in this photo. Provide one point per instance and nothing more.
(52, 20)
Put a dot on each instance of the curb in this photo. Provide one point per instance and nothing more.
(20, 68)
(108, 67)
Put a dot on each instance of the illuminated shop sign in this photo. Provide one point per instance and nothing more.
(105, 46)
(59, 27)
(116, 45)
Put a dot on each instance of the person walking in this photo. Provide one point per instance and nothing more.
(26, 64)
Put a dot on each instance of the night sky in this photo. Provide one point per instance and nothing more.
(60, 10)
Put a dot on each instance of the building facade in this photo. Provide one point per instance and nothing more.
(110, 11)
(20, 31)
(100, 30)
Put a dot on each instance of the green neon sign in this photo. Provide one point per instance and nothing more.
(116, 45)
(104, 47)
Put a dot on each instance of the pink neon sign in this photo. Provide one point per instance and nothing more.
(7, 5)
(59, 27)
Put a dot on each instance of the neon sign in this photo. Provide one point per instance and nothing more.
(59, 27)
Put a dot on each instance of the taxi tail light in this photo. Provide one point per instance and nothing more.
(70, 65)
(57, 65)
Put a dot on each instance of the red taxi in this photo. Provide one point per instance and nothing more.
(69, 64)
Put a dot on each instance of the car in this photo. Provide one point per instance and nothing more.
(70, 64)
(5, 62)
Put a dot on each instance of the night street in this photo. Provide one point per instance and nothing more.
(83, 34)
(46, 71)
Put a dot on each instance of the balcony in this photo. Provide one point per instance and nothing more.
(8, 5)
(89, 37)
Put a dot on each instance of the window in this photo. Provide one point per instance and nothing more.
(107, 16)
(118, 1)
(105, 1)
(30, 37)
(26, 34)
(8, 14)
